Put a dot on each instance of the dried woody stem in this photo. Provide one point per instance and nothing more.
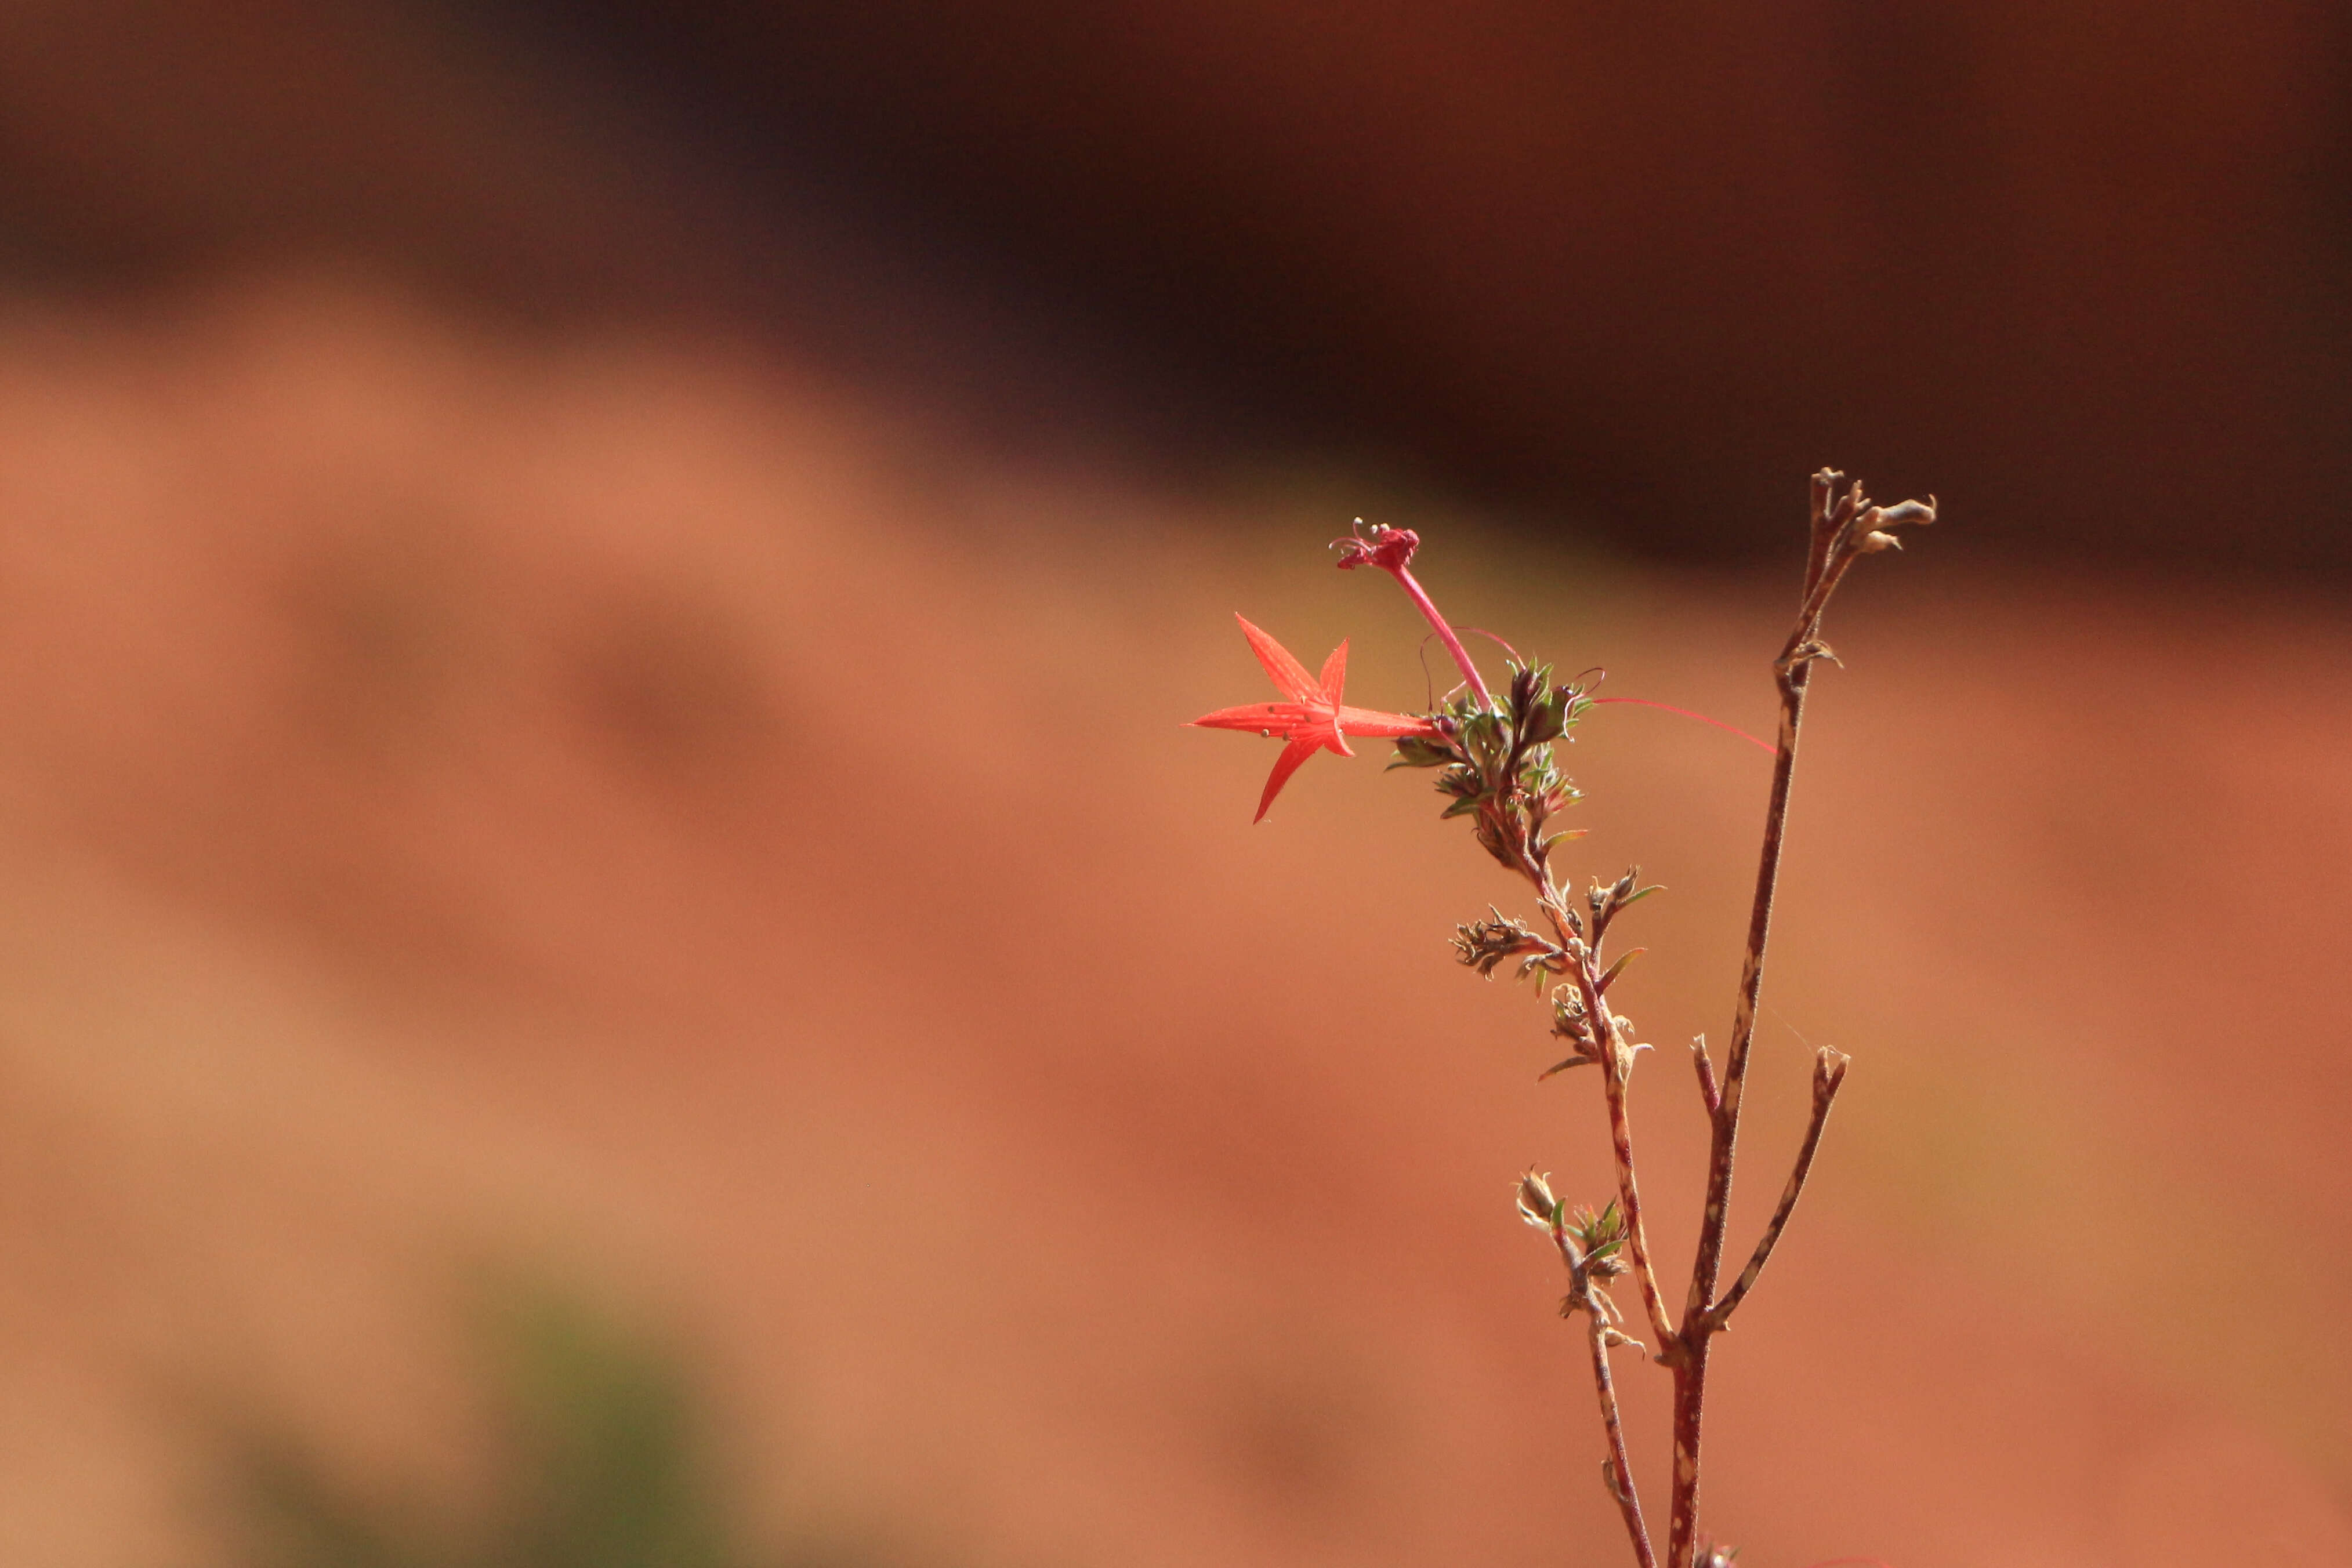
(1846, 527)
(1828, 1072)
(1616, 1470)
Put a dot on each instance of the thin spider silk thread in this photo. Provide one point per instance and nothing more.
(1637, 701)
(1686, 713)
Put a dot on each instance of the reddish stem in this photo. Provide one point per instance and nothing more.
(1420, 596)
(1618, 1468)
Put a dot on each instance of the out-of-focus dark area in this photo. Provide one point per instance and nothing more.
(2084, 267)
(596, 604)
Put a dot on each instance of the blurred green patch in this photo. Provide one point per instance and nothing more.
(603, 1461)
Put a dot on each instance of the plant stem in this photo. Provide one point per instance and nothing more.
(1690, 1372)
(1708, 1090)
(1428, 607)
(1843, 525)
(1617, 1064)
(1616, 1079)
(1617, 1468)
(1829, 1075)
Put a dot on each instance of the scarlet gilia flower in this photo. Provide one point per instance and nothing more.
(1313, 719)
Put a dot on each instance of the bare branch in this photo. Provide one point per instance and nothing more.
(1829, 1073)
(1845, 528)
(1614, 1084)
(1708, 1090)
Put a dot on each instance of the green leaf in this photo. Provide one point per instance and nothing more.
(1412, 751)
(1602, 985)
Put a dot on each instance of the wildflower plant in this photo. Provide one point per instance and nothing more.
(1492, 757)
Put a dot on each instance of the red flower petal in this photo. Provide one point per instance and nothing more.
(1372, 721)
(1259, 719)
(1290, 677)
(1300, 748)
(1334, 679)
(1313, 719)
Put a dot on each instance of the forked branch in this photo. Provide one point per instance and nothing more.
(1829, 1075)
(1845, 528)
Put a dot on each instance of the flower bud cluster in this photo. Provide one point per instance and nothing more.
(1608, 900)
(1572, 1020)
(1482, 945)
(1848, 524)
(1497, 763)
(1591, 1244)
(1873, 529)
(1601, 1238)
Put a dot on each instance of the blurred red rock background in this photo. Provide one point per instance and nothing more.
(595, 605)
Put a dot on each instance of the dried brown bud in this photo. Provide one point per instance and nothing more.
(1572, 1022)
(1483, 943)
(1537, 1207)
(1874, 530)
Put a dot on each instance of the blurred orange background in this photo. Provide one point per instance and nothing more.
(596, 609)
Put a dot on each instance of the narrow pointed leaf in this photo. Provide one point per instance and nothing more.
(1602, 985)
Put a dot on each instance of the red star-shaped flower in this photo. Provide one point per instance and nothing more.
(1313, 719)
